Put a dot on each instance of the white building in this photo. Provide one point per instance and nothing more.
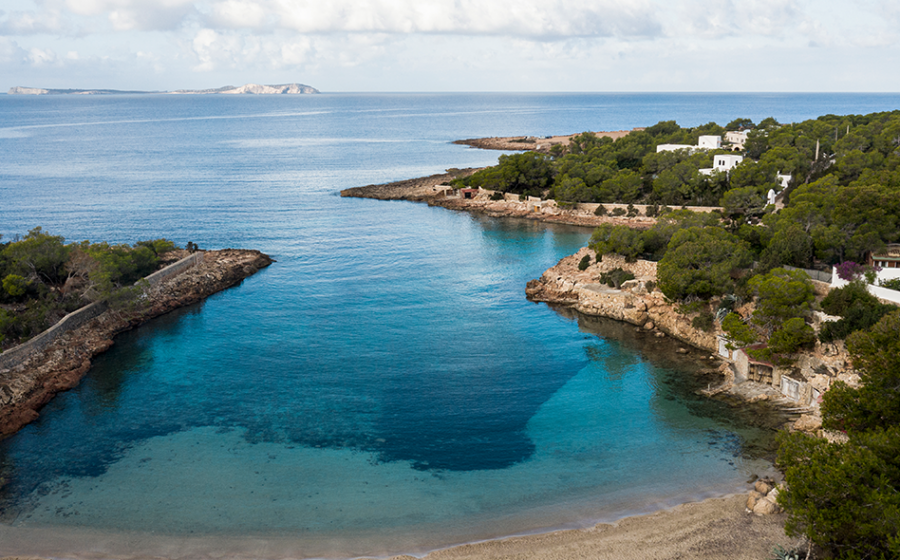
(673, 147)
(723, 163)
(736, 139)
(709, 142)
(783, 179)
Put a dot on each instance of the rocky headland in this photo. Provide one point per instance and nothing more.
(435, 191)
(29, 382)
(640, 303)
(541, 144)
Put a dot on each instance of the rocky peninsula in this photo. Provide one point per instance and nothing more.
(436, 191)
(29, 378)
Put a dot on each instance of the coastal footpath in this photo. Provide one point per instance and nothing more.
(32, 373)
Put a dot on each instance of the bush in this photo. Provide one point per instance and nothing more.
(600, 211)
(496, 195)
(585, 262)
(631, 212)
(652, 211)
(739, 333)
(705, 321)
(618, 212)
(893, 284)
(839, 300)
(858, 310)
(615, 278)
(793, 335)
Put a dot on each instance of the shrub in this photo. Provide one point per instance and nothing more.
(616, 277)
(849, 271)
(600, 211)
(892, 284)
(739, 333)
(585, 262)
(650, 285)
(793, 335)
(496, 195)
(704, 321)
(618, 212)
(631, 212)
(652, 211)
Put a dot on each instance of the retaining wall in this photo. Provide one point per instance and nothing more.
(17, 354)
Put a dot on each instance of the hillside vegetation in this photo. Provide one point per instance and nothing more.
(42, 278)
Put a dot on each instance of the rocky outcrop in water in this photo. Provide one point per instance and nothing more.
(30, 384)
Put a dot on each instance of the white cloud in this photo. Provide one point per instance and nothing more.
(215, 50)
(42, 57)
(10, 52)
(540, 19)
(30, 22)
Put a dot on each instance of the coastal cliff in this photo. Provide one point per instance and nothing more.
(28, 385)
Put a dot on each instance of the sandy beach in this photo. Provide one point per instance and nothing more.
(715, 528)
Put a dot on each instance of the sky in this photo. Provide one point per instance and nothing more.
(454, 45)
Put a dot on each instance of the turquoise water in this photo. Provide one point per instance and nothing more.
(384, 387)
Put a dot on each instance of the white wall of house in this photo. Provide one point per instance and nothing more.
(736, 138)
(709, 142)
(673, 147)
(877, 291)
(726, 162)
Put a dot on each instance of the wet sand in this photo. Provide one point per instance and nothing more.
(712, 529)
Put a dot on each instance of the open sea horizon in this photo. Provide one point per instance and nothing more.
(384, 387)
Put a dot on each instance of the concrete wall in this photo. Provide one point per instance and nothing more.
(884, 294)
(75, 319)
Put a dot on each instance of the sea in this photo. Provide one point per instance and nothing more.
(384, 387)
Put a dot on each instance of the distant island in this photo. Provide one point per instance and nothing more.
(254, 89)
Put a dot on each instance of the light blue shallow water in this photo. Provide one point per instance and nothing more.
(385, 386)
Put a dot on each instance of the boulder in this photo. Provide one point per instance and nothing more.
(762, 487)
(808, 423)
(764, 507)
(752, 499)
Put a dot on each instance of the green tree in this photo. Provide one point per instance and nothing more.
(844, 496)
(793, 335)
(617, 239)
(781, 295)
(39, 255)
(702, 262)
(740, 334)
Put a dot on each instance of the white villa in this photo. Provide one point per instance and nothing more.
(736, 139)
(709, 142)
(723, 163)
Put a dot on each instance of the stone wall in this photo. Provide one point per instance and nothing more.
(75, 319)
(174, 268)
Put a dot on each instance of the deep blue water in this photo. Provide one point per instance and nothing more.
(385, 386)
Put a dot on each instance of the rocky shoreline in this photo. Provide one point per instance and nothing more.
(434, 191)
(639, 303)
(30, 384)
